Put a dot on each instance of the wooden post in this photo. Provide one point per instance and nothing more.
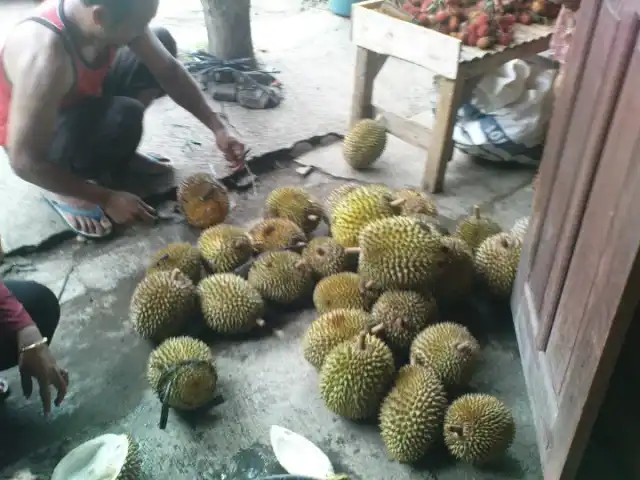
(228, 28)
(368, 65)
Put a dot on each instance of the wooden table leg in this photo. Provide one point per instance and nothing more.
(441, 148)
(368, 65)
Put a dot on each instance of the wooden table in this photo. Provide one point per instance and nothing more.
(379, 36)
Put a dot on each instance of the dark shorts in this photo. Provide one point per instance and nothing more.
(100, 135)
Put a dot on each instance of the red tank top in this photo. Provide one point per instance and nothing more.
(88, 79)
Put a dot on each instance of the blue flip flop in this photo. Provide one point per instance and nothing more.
(95, 213)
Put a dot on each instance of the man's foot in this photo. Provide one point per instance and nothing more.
(148, 164)
(85, 219)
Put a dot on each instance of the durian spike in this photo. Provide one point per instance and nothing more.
(313, 218)
(376, 329)
(397, 202)
(476, 212)
(362, 339)
(352, 250)
(175, 273)
(464, 347)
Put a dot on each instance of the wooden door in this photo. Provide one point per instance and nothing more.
(571, 302)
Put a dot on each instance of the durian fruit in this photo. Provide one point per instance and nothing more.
(225, 247)
(355, 376)
(182, 372)
(162, 304)
(497, 260)
(357, 209)
(412, 413)
(204, 200)
(416, 201)
(325, 256)
(450, 350)
(106, 457)
(370, 293)
(337, 194)
(365, 142)
(478, 429)
(457, 277)
(230, 304)
(475, 229)
(399, 253)
(403, 314)
(295, 204)
(331, 329)
(281, 277)
(183, 256)
(276, 234)
(341, 290)
(520, 228)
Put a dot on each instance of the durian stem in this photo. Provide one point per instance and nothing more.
(476, 212)
(456, 430)
(379, 117)
(362, 339)
(175, 273)
(352, 251)
(300, 263)
(397, 202)
(261, 323)
(163, 258)
(209, 193)
(376, 329)
(369, 285)
(399, 323)
(313, 218)
(464, 347)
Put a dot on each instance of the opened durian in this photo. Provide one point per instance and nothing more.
(403, 314)
(399, 253)
(106, 457)
(411, 415)
(365, 142)
(341, 290)
(496, 262)
(416, 201)
(476, 228)
(225, 247)
(183, 256)
(276, 234)
(204, 200)
(182, 372)
(450, 350)
(458, 274)
(230, 304)
(281, 277)
(325, 256)
(332, 329)
(478, 428)
(358, 209)
(355, 376)
(295, 204)
(161, 304)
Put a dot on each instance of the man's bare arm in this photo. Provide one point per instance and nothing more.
(41, 76)
(174, 79)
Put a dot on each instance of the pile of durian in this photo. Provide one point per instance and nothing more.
(376, 282)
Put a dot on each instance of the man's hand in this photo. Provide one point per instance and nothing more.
(38, 363)
(125, 208)
(232, 149)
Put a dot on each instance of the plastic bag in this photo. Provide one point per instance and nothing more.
(506, 118)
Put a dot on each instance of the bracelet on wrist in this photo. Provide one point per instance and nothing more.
(34, 345)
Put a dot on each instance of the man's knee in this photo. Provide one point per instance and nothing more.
(129, 116)
(166, 39)
(41, 304)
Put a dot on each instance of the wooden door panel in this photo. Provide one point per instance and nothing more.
(619, 158)
(554, 147)
(584, 143)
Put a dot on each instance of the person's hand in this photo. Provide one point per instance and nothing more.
(38, 363)
(125, 208)
(232, 149)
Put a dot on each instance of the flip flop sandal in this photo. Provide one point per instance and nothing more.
(5, 390)
(94, 214)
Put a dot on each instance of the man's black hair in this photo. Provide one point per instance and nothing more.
(118, 9)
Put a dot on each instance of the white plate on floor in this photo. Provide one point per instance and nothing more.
(298, 455)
